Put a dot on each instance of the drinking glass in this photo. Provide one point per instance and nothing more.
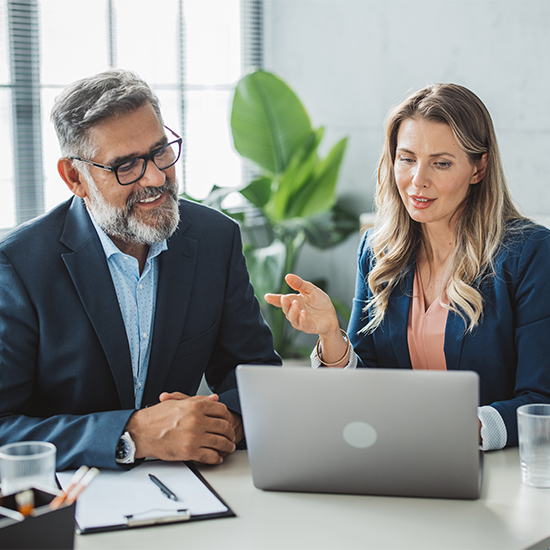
(534, 444)
(27, 464)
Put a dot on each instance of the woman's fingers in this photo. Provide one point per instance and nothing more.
(309, 311)
(273, 299)
(287, 300)
(301, 321)
(292, 312)
(294, 282)
(305, 288)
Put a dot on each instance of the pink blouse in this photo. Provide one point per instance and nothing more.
(426, 330)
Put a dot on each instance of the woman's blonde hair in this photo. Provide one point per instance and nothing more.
(480, 225)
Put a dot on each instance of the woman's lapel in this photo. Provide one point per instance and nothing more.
(398, 316)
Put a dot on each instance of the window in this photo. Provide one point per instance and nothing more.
(190, 51)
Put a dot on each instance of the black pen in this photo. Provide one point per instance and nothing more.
(163, 487)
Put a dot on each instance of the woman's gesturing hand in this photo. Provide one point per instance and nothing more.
(310, 310)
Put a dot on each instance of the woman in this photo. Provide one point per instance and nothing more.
(453, 277)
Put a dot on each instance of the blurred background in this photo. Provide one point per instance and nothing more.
(349, 61)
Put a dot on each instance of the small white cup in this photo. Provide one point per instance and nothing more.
(534, 444)
(27, 464)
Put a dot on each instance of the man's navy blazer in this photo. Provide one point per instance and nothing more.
(509, 349)
(65, 367)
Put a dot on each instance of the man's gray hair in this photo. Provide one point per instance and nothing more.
(85, 103)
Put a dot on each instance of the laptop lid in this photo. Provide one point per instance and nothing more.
(365, 431)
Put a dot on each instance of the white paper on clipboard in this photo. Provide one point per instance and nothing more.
(114, 495)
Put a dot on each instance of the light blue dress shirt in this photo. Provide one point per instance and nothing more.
(137, 295)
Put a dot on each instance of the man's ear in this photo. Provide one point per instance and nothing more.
(481, 167)
(72, 177)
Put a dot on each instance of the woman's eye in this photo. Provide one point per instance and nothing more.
(443, 164)
(406, 160)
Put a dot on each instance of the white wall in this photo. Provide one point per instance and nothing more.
(350, 61)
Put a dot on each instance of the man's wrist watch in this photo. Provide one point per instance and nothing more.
(125, 449)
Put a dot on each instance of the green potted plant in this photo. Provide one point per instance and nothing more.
(292, 201)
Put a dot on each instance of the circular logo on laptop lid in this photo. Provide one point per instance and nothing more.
(359, 435)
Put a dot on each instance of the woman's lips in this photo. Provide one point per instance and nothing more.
(421, 202)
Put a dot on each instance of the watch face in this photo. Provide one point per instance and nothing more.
(122, 449)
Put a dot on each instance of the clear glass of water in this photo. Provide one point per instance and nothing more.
(534, 444)
(27, 464)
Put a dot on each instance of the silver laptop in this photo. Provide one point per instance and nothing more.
(365, 431)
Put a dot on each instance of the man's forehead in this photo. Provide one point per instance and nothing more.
(129, 134)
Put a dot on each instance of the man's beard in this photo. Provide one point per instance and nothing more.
(125, 224)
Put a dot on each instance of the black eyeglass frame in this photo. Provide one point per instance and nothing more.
(149, 157)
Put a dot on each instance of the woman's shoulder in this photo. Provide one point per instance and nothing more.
(370, 246)
(519, 232)
(365, 246)
(525, 242)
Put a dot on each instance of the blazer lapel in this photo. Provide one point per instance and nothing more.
(175, 285)
(454, 340)
(89, 271)
(398, 317)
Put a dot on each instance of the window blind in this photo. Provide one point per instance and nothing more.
(252, 34)
(24, 58)
(252, 57)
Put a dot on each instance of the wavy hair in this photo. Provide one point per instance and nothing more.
(482, 220)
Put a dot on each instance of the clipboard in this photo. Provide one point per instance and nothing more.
(128, 499)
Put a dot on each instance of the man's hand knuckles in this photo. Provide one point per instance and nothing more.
(204, 405)
(222, 444)
(210, 458)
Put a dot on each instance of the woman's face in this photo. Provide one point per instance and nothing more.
(432, 172)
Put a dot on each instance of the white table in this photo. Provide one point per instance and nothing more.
(508, 515)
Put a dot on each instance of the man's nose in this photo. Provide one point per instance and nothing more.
(153, 176)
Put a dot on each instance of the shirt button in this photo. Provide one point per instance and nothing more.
(144, 335)
(140, 286)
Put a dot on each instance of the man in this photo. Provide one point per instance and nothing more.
(114, 304)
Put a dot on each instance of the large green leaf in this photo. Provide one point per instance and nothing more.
(319, 195)
(293, 199)
(299, 172)
(268, 121)
(258, 191)
(324, 230)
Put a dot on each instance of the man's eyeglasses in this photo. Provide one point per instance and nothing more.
(132, 170)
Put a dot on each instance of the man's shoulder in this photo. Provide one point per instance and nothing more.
(45, 227)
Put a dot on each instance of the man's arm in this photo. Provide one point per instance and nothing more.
(197, 428)
(26, 384)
